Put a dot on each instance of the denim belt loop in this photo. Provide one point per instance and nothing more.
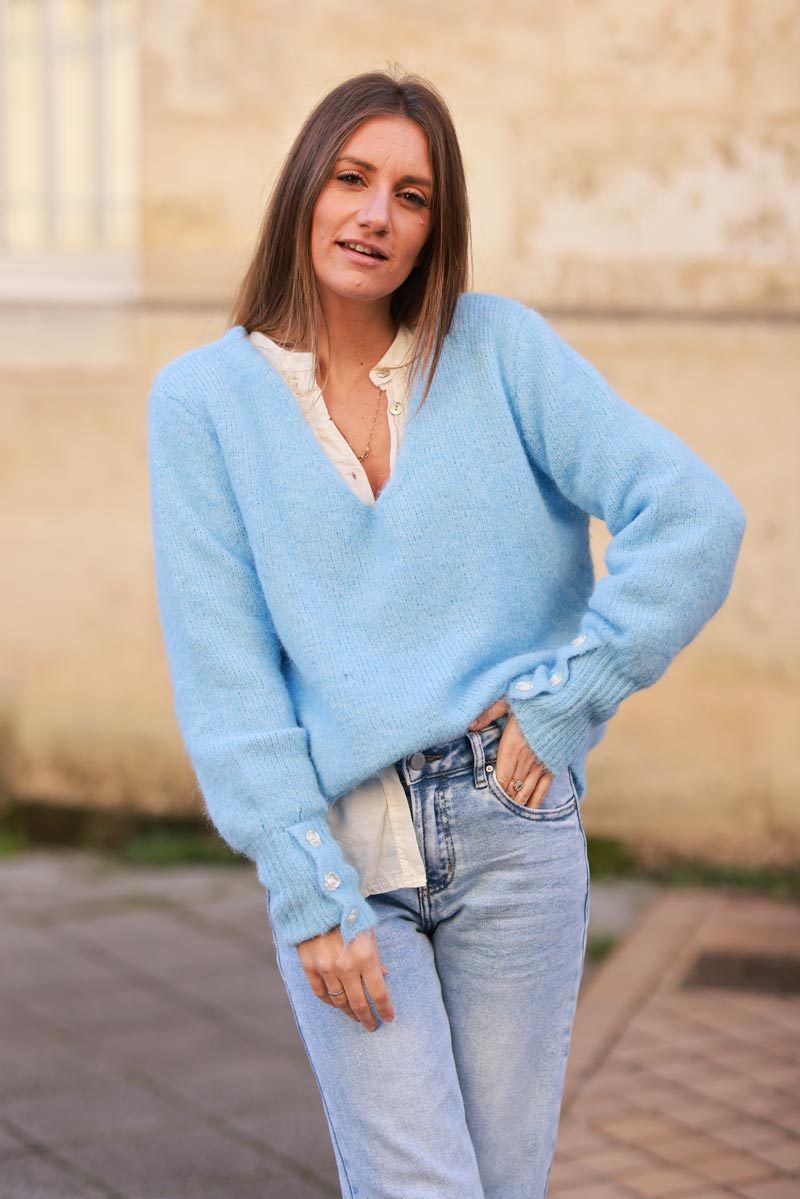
(478, 758)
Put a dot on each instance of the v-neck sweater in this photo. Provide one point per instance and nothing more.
(372, 823)
(313, 639)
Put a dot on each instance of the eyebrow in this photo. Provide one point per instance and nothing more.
(368, 166)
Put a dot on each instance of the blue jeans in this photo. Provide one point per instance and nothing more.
(459, 1096)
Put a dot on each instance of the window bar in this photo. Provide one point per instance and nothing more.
(51, 125)
(5, 128)
(101, 62)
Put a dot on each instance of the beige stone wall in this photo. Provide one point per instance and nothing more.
(634, 172)
(620, 155)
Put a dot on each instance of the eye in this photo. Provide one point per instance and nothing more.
(415, 198)
(349, 177)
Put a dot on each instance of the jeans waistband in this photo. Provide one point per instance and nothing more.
(473, 749)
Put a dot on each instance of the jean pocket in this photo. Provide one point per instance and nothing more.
(560, 801)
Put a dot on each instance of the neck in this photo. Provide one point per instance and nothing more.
(358, 335)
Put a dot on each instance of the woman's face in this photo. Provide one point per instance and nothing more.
(378, 198)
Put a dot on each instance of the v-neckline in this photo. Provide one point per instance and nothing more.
(260, 367)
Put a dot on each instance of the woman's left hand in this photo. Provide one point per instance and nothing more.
(516, 761)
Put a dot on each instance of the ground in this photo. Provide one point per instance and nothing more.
(149, 1051)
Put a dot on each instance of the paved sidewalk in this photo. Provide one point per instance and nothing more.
(148, 1050)
(684, 1073)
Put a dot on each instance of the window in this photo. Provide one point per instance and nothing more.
(69, 154)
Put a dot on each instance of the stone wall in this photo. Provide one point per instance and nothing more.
(620, 155)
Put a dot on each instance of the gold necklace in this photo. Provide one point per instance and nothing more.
(361, 457)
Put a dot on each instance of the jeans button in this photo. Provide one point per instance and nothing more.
(417, 761)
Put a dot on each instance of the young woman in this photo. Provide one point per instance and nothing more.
(390, 657)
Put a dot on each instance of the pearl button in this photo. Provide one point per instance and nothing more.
(332, 880)
(352, 916)
(556, 677)
(524, 685)
(313, 837)
(417, 761)
(396, 407)
(579, 640)
(382, 373)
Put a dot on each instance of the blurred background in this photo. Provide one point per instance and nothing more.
(634, 172)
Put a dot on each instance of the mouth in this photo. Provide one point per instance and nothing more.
(361, 250)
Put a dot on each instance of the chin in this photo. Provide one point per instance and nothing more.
(352, 291)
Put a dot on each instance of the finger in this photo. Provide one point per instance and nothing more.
(335, 991)
(520, 795)
(493, 712)
(359, 1003)
(363, 973)
(526, 770)
(540, 790)
(337, 1001)
(315, 981)
(379, 992)
(514, 763)
(340, 1002)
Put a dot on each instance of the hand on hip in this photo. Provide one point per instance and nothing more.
(516, 762)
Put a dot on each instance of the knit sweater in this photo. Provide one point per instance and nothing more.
(314, 639)
(372, 823)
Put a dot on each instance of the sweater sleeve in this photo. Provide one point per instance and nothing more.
(676, 532)
(235, 714)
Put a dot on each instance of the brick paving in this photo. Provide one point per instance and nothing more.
(148, 1050)
(685, 1091)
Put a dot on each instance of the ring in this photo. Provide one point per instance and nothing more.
(332, 993)
(518, 785)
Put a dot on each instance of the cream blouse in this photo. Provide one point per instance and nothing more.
(372, 823)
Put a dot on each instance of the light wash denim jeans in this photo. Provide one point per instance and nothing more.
(459, 1096)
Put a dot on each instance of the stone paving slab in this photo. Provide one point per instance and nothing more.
(149, 1052)
(27, 1175)
(147, 1039)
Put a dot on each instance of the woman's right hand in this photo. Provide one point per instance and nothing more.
(330, 965)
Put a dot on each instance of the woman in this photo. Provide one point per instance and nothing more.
(390, 658)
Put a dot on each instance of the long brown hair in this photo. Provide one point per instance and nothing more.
(278, 295)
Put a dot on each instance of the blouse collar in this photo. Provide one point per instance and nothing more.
(300, 363)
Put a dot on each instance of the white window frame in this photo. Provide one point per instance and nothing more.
(50, 272)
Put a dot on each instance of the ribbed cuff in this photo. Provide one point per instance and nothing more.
(312, 889)
(558, 709)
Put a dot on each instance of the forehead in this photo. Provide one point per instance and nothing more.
(382, 137)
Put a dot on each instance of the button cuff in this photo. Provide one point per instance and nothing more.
(335, 876)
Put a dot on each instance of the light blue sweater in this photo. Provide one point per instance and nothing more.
(314, 639)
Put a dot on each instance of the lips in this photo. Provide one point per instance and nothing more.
(363, 249)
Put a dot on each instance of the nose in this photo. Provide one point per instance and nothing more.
(374, 212)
